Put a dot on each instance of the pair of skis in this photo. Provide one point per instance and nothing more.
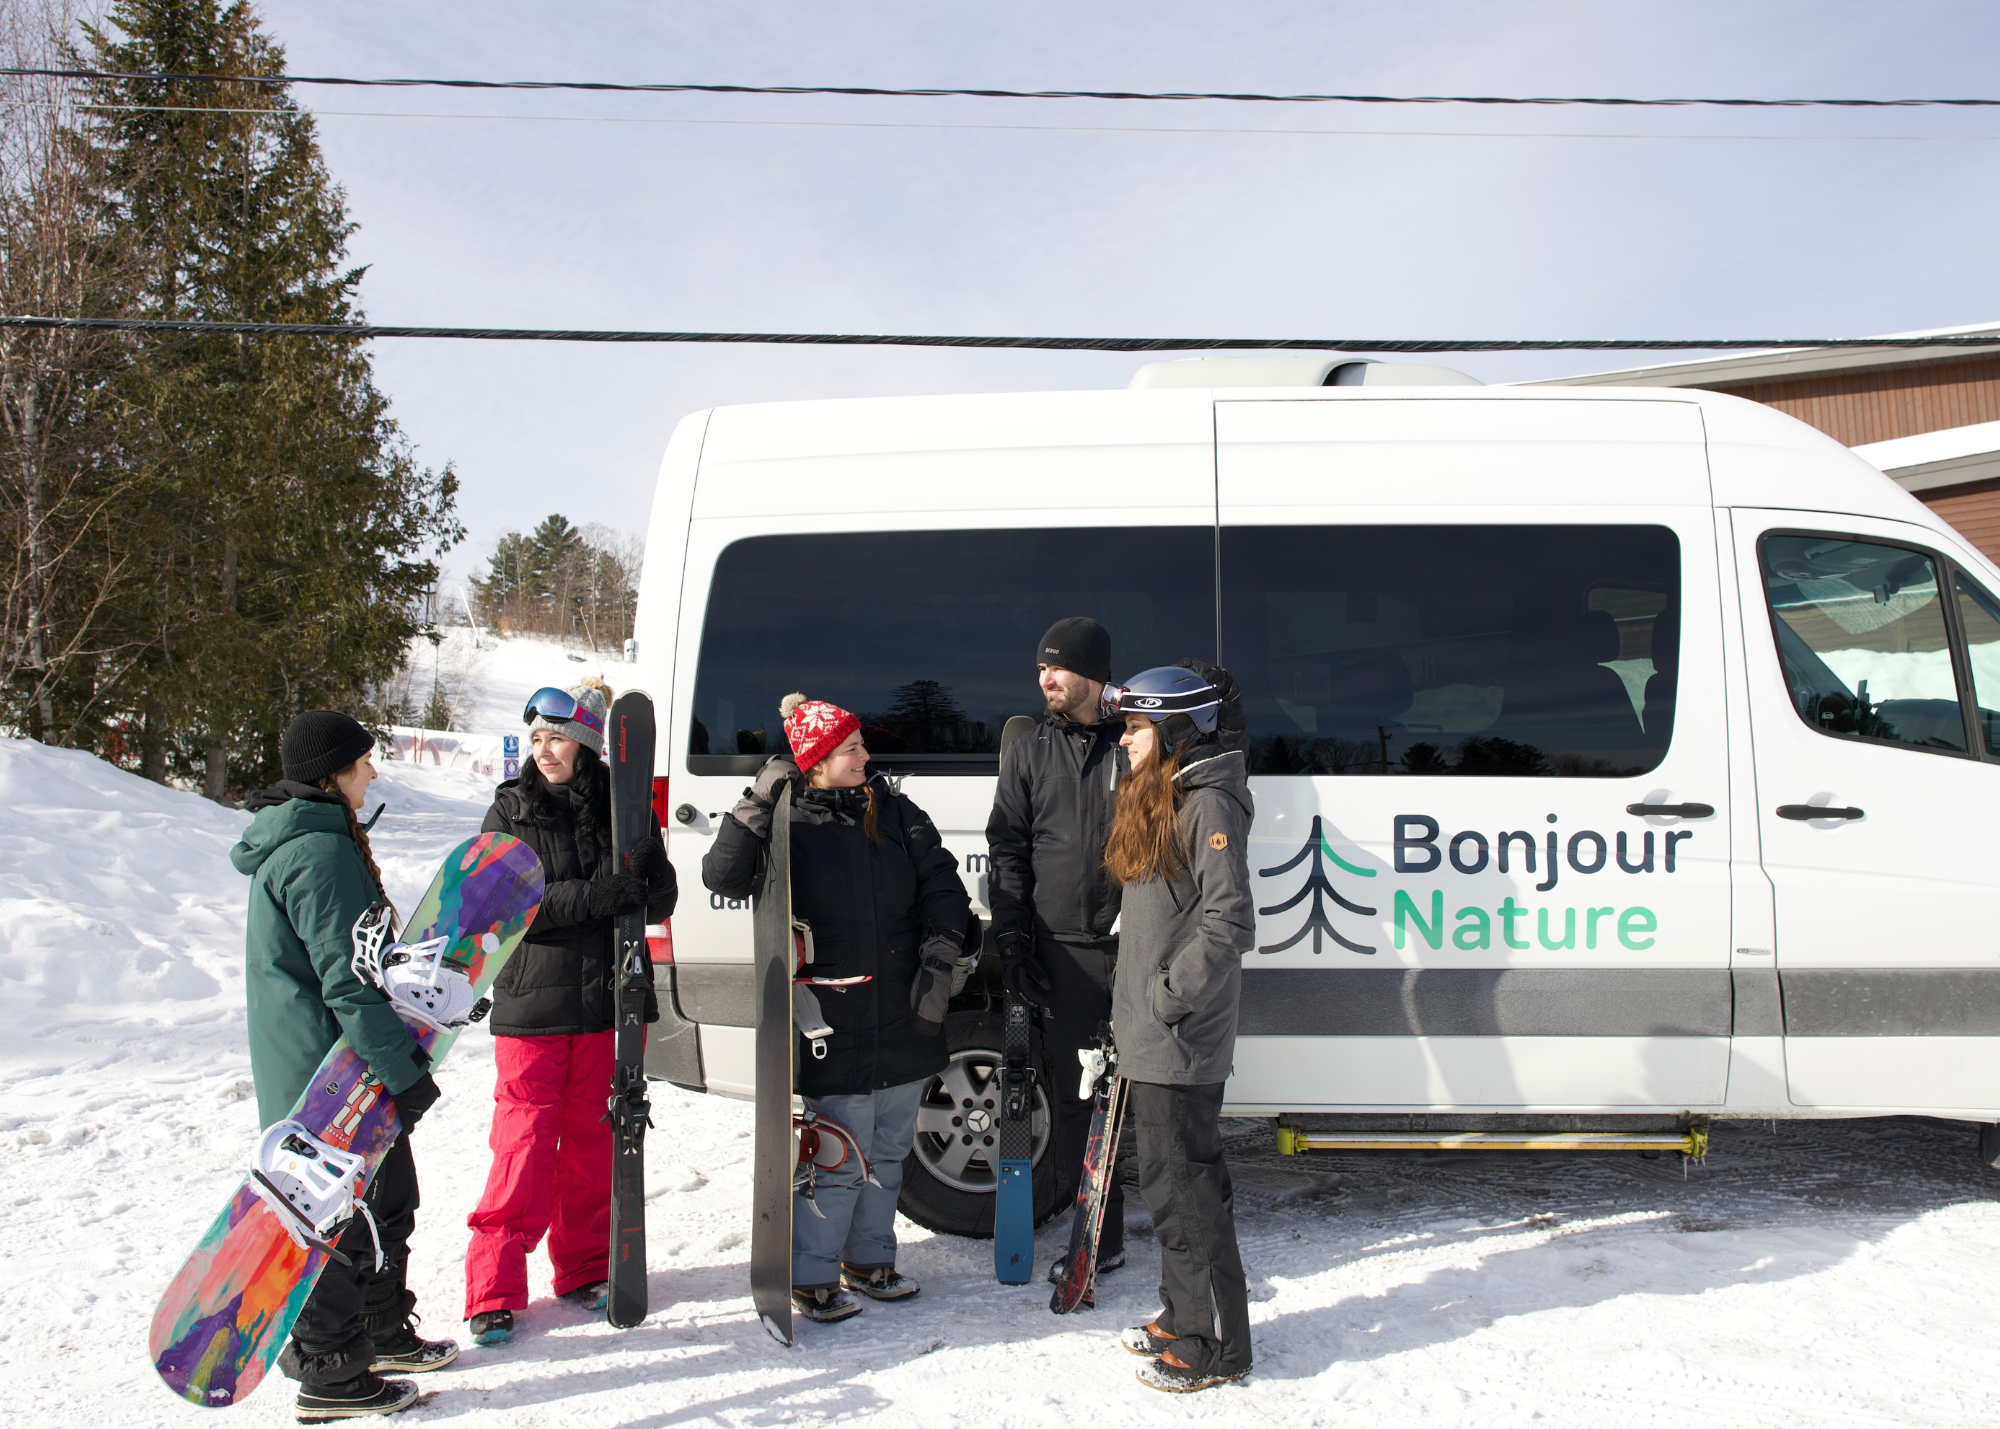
(629, 740)
(1076, 1282)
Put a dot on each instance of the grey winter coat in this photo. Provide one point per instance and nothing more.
(1181, 943)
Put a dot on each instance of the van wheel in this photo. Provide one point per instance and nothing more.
(949, 1174)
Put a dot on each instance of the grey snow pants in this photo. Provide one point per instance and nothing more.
(856, 1222)
(1204, 1296)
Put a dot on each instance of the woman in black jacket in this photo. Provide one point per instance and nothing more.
(888, 914)
(553, 1016)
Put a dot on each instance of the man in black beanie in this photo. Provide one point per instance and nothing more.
(1053, 904)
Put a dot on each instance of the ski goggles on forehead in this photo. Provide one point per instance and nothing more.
(552, 703)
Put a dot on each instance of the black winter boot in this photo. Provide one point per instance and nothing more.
(398, 1347)
(356, 1398)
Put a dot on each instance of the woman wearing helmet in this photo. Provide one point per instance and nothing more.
(1177, 845)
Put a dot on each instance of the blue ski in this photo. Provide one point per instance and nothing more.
(1014, 1187)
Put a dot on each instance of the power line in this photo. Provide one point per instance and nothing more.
(1031, 128)
(1072, 344)
(605, 87)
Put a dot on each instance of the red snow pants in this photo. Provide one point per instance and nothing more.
(551, 1170)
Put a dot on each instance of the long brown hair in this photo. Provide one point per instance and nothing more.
(1145, 840)
(331, 784)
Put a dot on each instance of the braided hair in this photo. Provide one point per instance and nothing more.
(330, 784)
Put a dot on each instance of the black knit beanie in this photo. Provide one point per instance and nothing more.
(1080, 644)
(321, 742)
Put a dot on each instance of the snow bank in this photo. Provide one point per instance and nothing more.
(1811, 1273)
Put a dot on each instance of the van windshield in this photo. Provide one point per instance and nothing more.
(1546, 651)
(929, 636)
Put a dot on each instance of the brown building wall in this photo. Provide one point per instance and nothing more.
(1897, 402)
(1974, 511)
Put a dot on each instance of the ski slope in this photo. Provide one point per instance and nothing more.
(1811, 1274)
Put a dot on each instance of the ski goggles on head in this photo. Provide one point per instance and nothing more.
(552, 703)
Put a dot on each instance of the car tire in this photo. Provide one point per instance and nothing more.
(962, 1205)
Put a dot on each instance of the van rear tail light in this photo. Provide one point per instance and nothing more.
(660, 936)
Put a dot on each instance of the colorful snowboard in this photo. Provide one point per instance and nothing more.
(220, 1324)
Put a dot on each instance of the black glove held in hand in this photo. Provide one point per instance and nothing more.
(649, 859)
(620, 893)
(416, 1099)
(930, 994)
(1022, 973)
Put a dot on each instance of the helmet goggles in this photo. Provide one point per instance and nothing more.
(552, 703)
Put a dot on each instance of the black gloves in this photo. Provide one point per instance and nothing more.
(416, 1099)
(753, 810)
(620, 893)
(649, 859)
(930, 994)
(1021, 972)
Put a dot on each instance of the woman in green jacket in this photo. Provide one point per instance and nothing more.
(312, 875)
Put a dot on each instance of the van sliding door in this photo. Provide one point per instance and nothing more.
(1477, 642)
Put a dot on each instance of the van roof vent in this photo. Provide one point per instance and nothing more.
(1288, 371)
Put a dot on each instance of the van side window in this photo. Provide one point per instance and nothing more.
(1541, 651)
(930, 636)
(1980, 617)
(1861, 635)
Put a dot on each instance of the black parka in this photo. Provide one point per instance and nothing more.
(559, 980)
(1052, 808)
(870, 907)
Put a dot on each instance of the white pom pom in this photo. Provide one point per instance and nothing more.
(790, 703)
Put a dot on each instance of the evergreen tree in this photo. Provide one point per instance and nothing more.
(285, 518)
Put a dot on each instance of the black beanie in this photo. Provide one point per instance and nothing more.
(321, 742)
(1078, 643)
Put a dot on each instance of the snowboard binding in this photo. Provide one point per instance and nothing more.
(806, 1013)
(309, 1185)
(426, 985)
(824, 1145)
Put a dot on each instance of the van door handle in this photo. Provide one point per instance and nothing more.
(1672, 811)
(1815, 811)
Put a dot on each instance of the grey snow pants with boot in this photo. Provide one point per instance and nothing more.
(1204, 1296)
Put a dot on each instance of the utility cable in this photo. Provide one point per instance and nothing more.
(605, 87)
(318, 113)
(1072, 344)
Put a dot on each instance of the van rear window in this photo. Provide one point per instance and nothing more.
(1537, 651)
(930, 636)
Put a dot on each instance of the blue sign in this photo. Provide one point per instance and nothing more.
(510, 769)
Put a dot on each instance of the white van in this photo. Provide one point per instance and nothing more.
(1622, 757)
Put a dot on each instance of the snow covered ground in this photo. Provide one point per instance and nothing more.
(1814, 1274)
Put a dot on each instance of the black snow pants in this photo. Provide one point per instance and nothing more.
(1204, 1297)
(351, 1307)
(1080, 978)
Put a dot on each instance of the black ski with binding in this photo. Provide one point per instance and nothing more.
(628, 751)
(1076, 1287)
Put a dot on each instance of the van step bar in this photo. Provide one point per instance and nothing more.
(1692, 1143)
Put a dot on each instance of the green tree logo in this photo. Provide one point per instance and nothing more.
(1320, 888)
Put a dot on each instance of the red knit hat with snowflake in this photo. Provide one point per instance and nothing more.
(815, 728)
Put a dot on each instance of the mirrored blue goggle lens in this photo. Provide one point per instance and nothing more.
(550, 703)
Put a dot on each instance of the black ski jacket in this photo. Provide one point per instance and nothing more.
(561, 979)
(1052, 812)
(870, 907)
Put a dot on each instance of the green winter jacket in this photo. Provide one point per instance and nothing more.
(307, 886)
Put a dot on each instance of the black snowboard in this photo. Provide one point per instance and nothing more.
(629, 754)
(776, 1156)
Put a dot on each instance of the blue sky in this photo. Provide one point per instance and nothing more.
(541, 222)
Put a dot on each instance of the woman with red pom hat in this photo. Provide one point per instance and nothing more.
(889, 919)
